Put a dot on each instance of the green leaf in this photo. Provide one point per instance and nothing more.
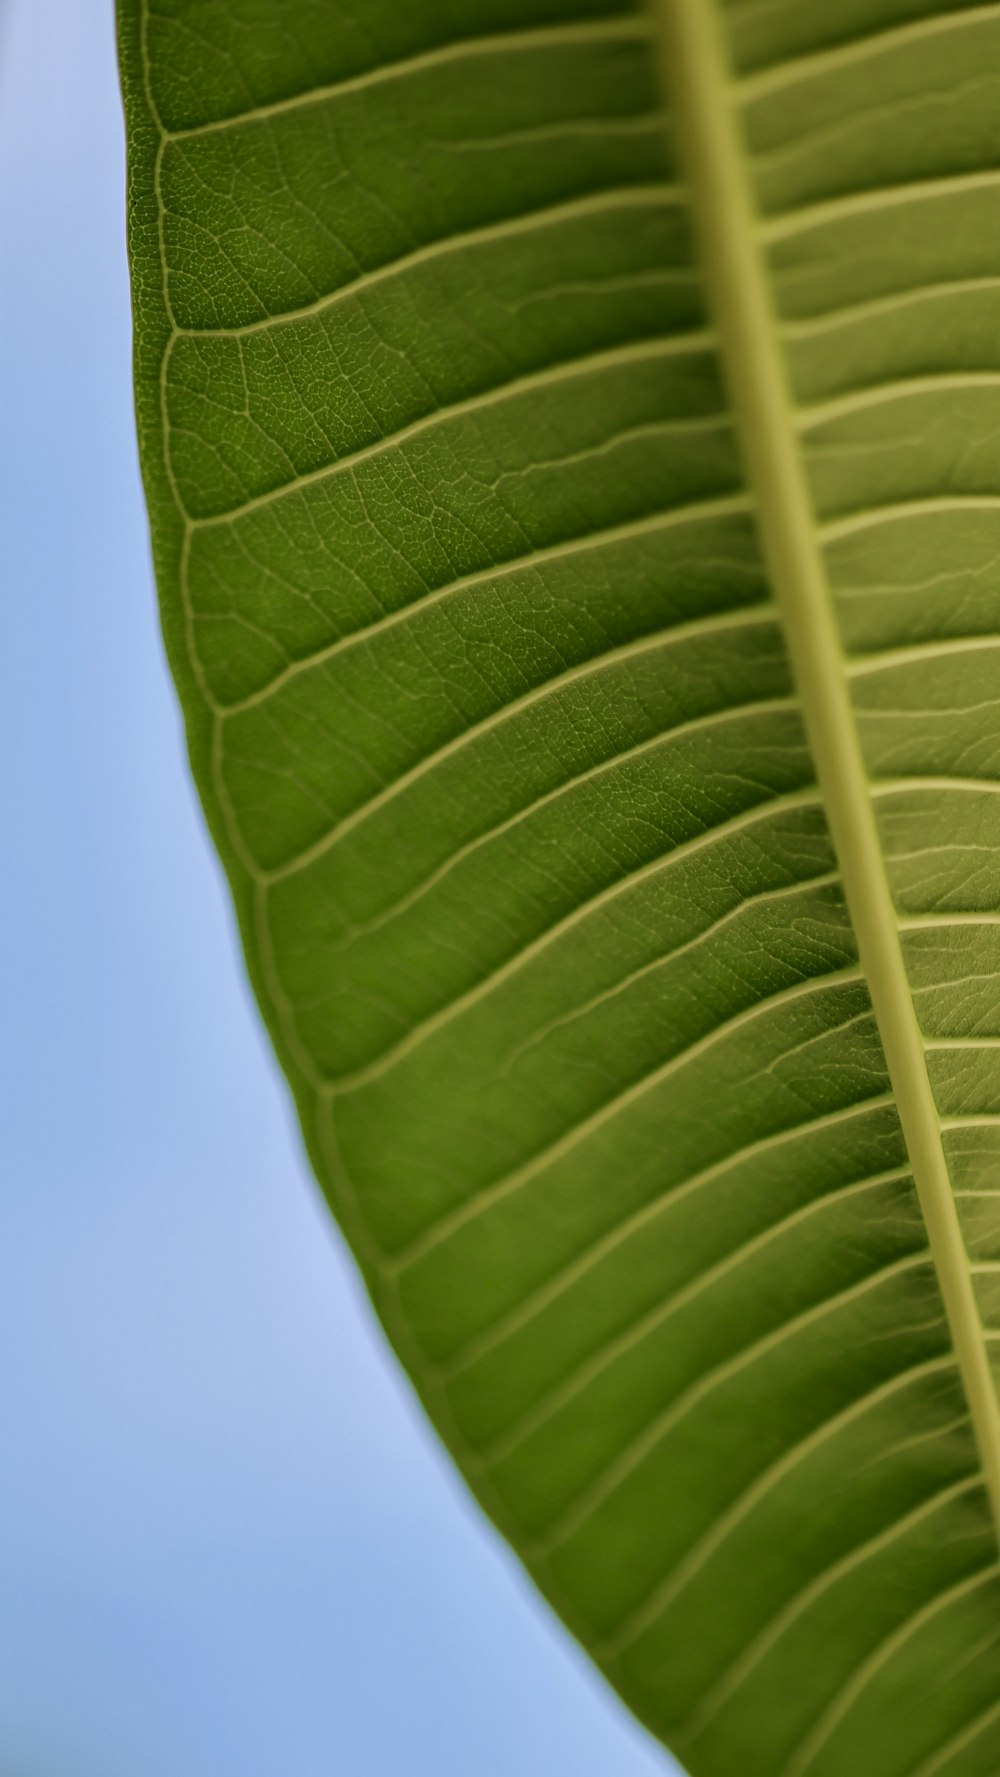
(607, 769)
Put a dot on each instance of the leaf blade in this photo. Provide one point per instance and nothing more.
(499, 740)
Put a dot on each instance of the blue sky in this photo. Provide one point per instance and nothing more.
(228, 1545)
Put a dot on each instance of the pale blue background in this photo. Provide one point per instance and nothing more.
(228, 1546)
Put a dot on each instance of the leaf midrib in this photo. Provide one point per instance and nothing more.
(702, 90)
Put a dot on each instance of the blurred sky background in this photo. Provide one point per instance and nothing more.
(228, 1545)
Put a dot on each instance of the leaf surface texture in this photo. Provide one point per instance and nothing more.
(572, 442)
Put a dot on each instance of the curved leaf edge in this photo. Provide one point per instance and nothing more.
(143, 143)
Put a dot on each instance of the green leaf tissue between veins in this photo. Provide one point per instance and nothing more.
(572, 441)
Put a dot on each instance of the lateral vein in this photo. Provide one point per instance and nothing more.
(618, 28)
